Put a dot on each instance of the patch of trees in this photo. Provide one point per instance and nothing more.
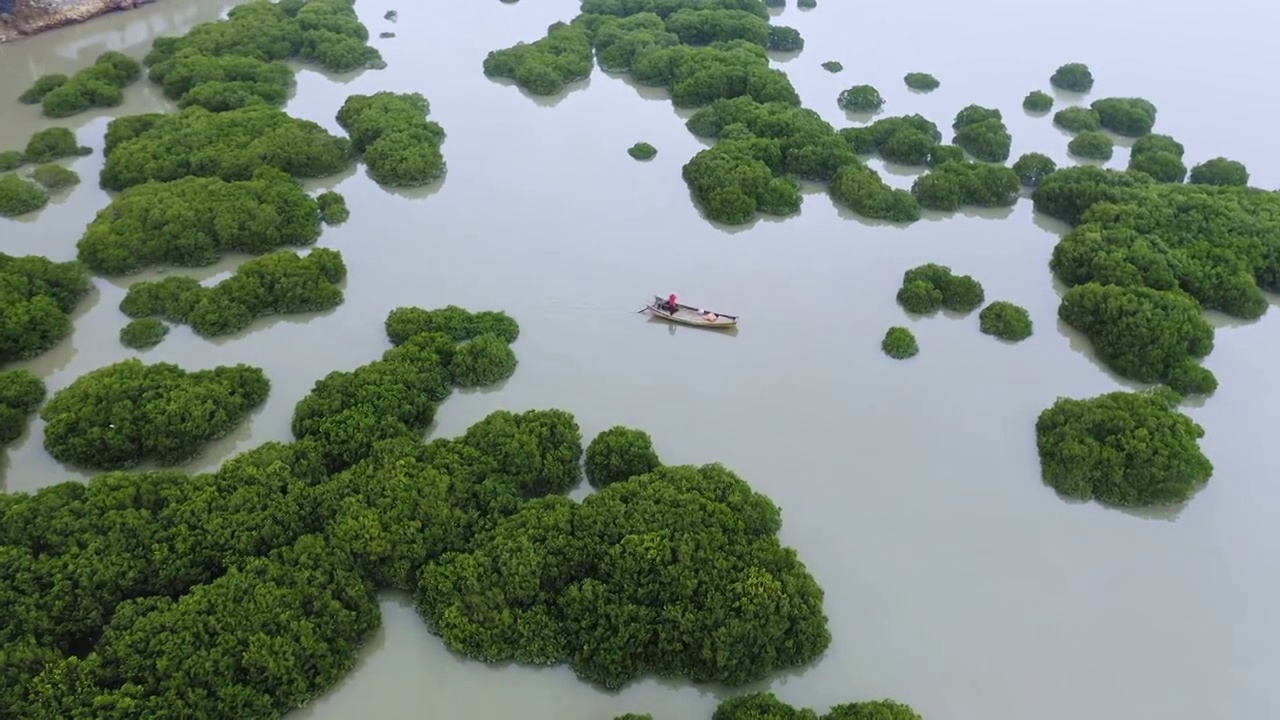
(37, 297)
(1159, 156)
(899, 343)
(981, 132)
(1005, 321)
(1077, 119)
(1153, 336)
(123, 414)
(11, 160)
(143, 333)
(400, 146)
(762, 148)
(1221, 172)
(951, 185)
(545, 66)
(1032, 168)
(54, 177)
(193, 221)
(333, 207)
(664, 8)
(923, 82)
(1122, 448)
(766, 706)
(281, 283)
(618, 454)
(1092, 144)
(642, 151)
(223, 82)
(946, 153)
(905, 140)
(98, 85)
(53, 144)
(1074, 77)
(456, 323)
(1037, 101)
(833, 66)
(806, 4)
(19, 196)
(1218, 244)
(861, 99)
(930, 287)
(21, 392)
(1131, 117)
(703, 26)
(230, 145)
(785, 39)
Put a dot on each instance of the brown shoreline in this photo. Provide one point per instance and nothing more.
(32, 17)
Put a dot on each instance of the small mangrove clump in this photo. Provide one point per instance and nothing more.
(775, 3)
(98, 85)
(1037, 101)
(1077, 119)
(944, 154)
(43, 85)
(861, 99)
(1130, 117)
(11, 160)
(19, 196)
(1221, 172)
(54, 177)
(806, 4)
(281, 283)
(123, 414)
(53, 143)
(143, 333)
(545, 66)
(21, 392)
(766, 706)
(386, 34)
(1092, 144)
(923, 82)
(951, 185)
(618, 454)
(484, 360)
(1159, 156)
(899, 343)
(391, 15)
(456, 323)
(833, 66)
(1126, 449)
(37, 297)
(930, 287)
(982, 133)
(400, 146)
(1073, 77)
(905, 140)
(333, 207)
(1005, 321)
(642, 151)
(1032, 168)
(784, 39)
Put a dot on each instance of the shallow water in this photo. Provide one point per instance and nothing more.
(955, 580)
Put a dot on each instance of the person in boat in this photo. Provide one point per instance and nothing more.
(671, 306)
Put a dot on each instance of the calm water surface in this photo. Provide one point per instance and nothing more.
(955, 581)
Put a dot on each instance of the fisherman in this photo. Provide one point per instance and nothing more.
(672, 307)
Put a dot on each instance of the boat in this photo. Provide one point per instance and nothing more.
(692, 316)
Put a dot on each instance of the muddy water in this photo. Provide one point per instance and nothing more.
(955, 581)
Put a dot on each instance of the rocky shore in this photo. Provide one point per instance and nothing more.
(19, 18)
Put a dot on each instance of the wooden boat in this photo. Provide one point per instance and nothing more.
(692, 316)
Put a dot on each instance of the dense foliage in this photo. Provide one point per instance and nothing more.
(54, 177)
(36, 297)
(1122, 448)
(833, 66)
(899, 343)
(11, 160)
(617, 454)
(766, 706)
(455, 323)
(921, 81)
(52, 144)
(946, 153)
(1033, 167)
(21, 392)
(1005, 321)
(1131, 117)
(982, 133)
(19, 196)
(277, 283)
(143, 333)
(544, 66)
(642, 151)
(784, 39)
(762, 148)
(333, 207)
(1037, 101)
(1219, 171)
(930, 287)
(230, 145)
(861, 98)
(401, 146)
(1077, 119)
(1092, 144)
(1074, 77)
(1149, 335)
(98, 85)
(192, 222)
(954, 184)
(905, 140)
(484, 360)
(1159, 156)
(123, 414)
